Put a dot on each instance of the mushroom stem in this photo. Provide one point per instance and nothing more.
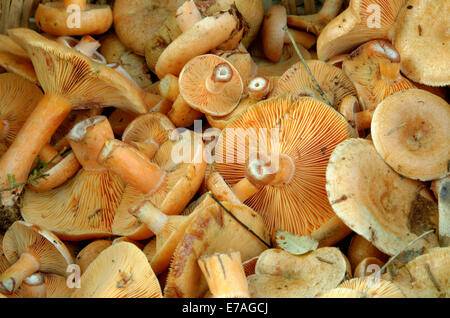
(132, 166)
(87, 139)
(244, 189)
(34, 286)
(148, 147)
(220, 76)
(151, 216)
(80, 3)
(303, 38)
(263, 172)
(168, 87)
(331, 232)
(187, 15)
(225, 275)
(363, 119)
(183, 115)
(258, 87)
(49, 153)
(12, 278)
(390, 71)
(87, 45)
(34, 134)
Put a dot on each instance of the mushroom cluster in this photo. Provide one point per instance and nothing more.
(224, 149)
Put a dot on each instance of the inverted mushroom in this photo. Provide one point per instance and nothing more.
(30, 249)
(410, 132)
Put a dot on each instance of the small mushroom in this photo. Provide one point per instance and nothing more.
(423, 42)
(90, 252)
(357, 25)
(360, 249)
(374, 201)
(211, 85)
(225, 275)
(332, 80)
(30, 249)
(69, 210)
(280, 274)
(213, 231)
(55, 18)
(410, 132)
(374, 69)
(120, 271)
(426, 276)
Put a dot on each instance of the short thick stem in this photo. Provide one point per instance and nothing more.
(34, 286)
(87, 46)
(151, 216)
(132, 166)
(259, 87)
(12, 278)
(183, 115)
(333, 231)
(220, 77)
(244, 189)
(34, 134)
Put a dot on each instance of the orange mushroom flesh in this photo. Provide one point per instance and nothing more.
(56, 18)
(356, 25)
(72, 81)
(148, 132)
(316, 22)
(120, 271)
(374, 69)
(410, 132)
(332, 80)
(387, 213)
(225, 275)
(309, 131)
(31, 249)
(211, 85)
(91, 212)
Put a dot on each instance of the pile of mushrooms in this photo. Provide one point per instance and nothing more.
(224, 149)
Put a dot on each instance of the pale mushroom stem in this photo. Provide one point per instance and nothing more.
(259, 87)
(264, 172)
(34, 134)
(133, 167)
(151, 216)
(87, 45)
(168, 87)
(187, 15)
(12, 278)
(333, 231)
(244, 189)
(80, 3)
(34, 286)
(225, 275)
(220, 77)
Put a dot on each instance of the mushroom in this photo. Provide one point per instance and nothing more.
(225, 275)
(368, 266)
(315, 23)
(332, 80)
(90, 252)
(410, 132)
(374, 201)
(273, 35)
(374, 69)
(297, 137)
(120, 271)
(421, 42)
(205, 35)
(360, 249)
(369, 288)
(182, 114)
(259, 87)
(34, 286)
(30, 249)
(168, 87)
(56, 18)
(362, 21)
(69, 210)
(87, 45)
(280, 274)
(211, 85)
(14, 59)
(70, 80)
(168, 181)
(426, 276)
(148, 133)
(213, 230)
(441, 190)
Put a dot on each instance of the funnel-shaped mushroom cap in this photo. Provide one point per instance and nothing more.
(148, 132)
(120, 271)
(333, 81)
(213, 231)
(374, 201)
(410, 130)
(373, 288)
(374, 69)
(183, 162)
(90, 252)
(51, 254)
(64, 71)
(54, 18)
(18, 98)
(85, 206)
(211, 85)
(422, 36)
(362, 21)
(426, 276)
(302, 133)
(281, 274)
